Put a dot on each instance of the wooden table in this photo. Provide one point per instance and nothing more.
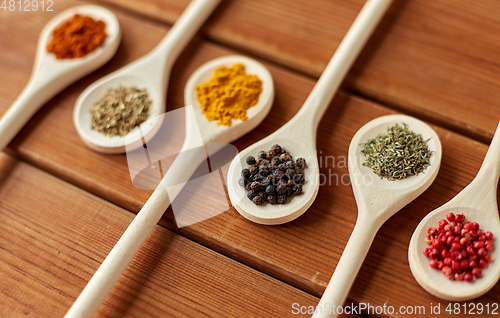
(63, 206)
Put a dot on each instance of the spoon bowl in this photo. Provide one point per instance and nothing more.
(51, 75)
(377, 200)
(82, 116)
(91, 60)
(211, 131)
(150, 72)
(366, 185)
(478, 202)
(276, 214)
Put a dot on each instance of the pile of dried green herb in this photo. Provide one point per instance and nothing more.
(120, 110)
(398, 154)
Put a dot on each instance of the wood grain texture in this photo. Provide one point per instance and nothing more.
(53, 238)
(303, 252)
(437, 60)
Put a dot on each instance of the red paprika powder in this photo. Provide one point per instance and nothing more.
(77, 37)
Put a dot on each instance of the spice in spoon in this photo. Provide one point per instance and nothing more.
(228, 94)
(397, 154)
(273, 176)
(458, 249)
(77, 37)
(120, 110)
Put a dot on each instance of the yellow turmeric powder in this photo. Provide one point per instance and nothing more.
(228, 94)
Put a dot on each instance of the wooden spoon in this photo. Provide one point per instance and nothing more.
(50, 75)
(150, 72)
(377, 200)
(299, 134)
(478, 202)
(199, 134)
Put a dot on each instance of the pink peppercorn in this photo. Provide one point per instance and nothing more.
(459, 218)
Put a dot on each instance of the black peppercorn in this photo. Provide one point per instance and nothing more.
(301, 162)
(277, 173)
(275, 181)
(271, 190)
(290, 165)
(270, 154)
(282, 167)
(262, 155)
(281, 189)
(264, 183)
(263, 195)
(290, 183)
(264, 163)
(248, 186)
(253, 170)
(242, 181)
(250, 160)
(245, 173)
(251, 194)
(284, 157)
(298, 178)
(284, 178)
(263, 172)
(275, 161)
(290, 173)
(289, 191)
(276, 149)
(281, 199)
(255, 186)
(258, 200)
(297, 189)
(271, 199)
(285, 151)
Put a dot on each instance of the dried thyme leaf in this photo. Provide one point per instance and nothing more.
(398, 154)
(120, 110)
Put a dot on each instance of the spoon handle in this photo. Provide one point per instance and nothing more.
(41, 87)
(18, 114)
(484, 186)
(490, 169)
(347, 268)
(137, 232)
(340, 63)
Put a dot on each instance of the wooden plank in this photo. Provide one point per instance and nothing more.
(53, 238)
(303, 252)
(435, 60)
